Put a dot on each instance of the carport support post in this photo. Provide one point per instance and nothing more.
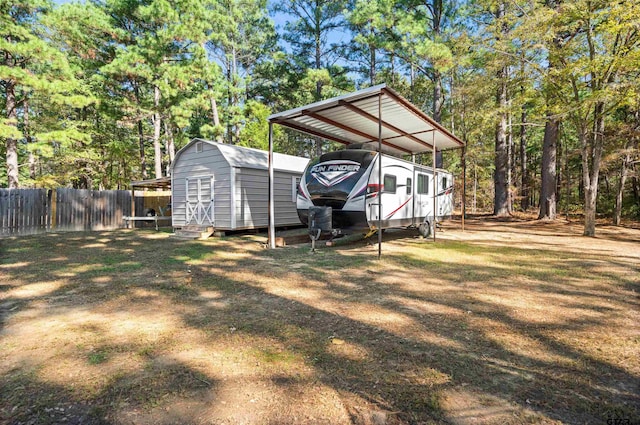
(133, 207)
(435, 180)
(464, 184)
(380, 182)
(272, 225)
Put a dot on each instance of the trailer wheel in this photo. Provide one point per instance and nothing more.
(424, 229)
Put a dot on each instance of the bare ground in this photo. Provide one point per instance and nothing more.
(513, 321)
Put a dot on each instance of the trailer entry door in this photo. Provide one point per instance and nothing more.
(422, 196)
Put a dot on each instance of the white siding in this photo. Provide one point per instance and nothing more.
(247, 206)
(195, 164)
(285, 207)
(252, 198)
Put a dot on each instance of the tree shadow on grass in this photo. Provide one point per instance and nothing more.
(124, 398)
(489, 367)
(381, 344)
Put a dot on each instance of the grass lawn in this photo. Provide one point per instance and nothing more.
(506, 323)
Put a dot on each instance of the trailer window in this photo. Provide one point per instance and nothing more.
(444, 183)
(389, 183)
(423, 184)
(409, 187)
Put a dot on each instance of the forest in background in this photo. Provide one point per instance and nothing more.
(544, 93)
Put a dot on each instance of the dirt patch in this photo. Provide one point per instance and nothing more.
(510, 321)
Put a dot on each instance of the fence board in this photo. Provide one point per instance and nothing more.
(29, 211)
(23, 211)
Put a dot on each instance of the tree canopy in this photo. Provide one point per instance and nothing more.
(545, 94)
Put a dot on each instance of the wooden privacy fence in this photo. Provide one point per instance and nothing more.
(24, 211)
(83, 209)
(29, 211)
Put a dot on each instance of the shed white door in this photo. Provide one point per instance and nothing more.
(200, 200)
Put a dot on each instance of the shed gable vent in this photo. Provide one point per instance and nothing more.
(198, 147)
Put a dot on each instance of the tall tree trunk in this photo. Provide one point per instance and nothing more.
(548, 173)
(157, 123)
(634, 179)
(624, 167)
(236, 97)
(567, 181)
(230, 85)
(475, 187)
(318, 57)
(318, 65)
(215, 118)
(143, 157)
(372, 57)
(392, 60)
(13, 179)
(141, 143)
(501, 194)
(171, 147)
(590, 196)
(452, 96)
(524, 171)
(548, 170)
(437, 108)
(635, 185)
(412, 77)
(560, 162)
(511, 160)
(591, 159)
(438, 97)
(33, 166)
(501, 188)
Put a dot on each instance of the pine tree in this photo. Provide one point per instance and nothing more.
(35, 76)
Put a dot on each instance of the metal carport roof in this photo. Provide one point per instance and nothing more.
(353, 119)
(376, 115)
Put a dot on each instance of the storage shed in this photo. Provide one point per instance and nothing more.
(227, 187)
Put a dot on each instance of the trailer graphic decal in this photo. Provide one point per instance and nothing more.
(330, 173)
(397, 209)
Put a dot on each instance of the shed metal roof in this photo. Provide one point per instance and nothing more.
(243, 157)
(353, 119)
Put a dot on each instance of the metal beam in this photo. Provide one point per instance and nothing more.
(391, 127)
(313, 132)
(402, 135)
(341, 126)
(417, 112)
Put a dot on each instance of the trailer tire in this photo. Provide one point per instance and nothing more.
(424, 229)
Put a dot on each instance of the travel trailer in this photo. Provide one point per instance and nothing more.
(345, 185)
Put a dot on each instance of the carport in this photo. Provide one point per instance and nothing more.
(375, 115)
